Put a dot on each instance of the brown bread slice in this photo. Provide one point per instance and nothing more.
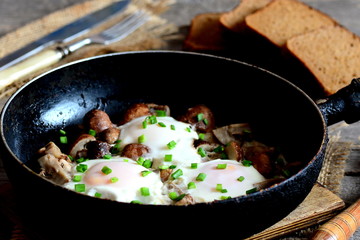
(234, 20)
(205, 33)
(331, 54)
(283, 19)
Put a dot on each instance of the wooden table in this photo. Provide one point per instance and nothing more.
(16, 13)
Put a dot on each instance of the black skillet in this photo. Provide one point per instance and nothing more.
(280, 113)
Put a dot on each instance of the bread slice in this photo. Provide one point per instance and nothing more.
(331, 54)
(234, 20)
(205, 33)
(282, 19)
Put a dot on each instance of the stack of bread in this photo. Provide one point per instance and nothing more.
(327, 51)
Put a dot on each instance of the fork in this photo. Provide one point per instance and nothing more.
(51, 56)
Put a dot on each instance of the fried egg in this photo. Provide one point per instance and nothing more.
(217, 179)
(118, 179)
(171, 142)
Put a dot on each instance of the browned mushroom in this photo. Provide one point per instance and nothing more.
(135, 111)
(155, 108)
(231, 132)
(135, 150)
(201, 116)
(110, 135)
(78, 149)
(97, 120)
(97, 149)
(234, 151)
(186, 200)
(165, 174)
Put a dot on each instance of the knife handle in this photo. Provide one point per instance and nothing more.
(35, 63)
(342, 226)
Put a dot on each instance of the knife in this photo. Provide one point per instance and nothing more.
(64, 34)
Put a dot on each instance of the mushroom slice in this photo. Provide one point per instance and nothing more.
(228, 133)
(155, 108)
(186, 200)
(110, 135)
(234, 151)
(97, 149)
(210, 151)
(97, 120)
(134, 111)
(78, 148)
(201, 117)
(135, 150)
(55, 165)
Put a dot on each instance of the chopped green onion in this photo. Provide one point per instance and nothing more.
(62, 132)
(114, 179)
(92, 132)
(194, 166)
(80, 187)
(201, 136)
(144, 124)
(168, 158)
(136, 202)
(106, 170)
(177, 174)
(171, 144)
(191, 185)
(188, 129)
(147, 163)
(247, 163)
(145, 191)
(140, 160)
(225, 197)
(161, 124)
(219, 149)
(201, 177)
(107, 156)
(172, 166)
(141, 139)
(115, 149)
(80, 160)
(77, 178)
(252, 190)
(241, 178)
(206, 121)
(63, 139)
(200, 117)
(173, 195)
(219, 187)
(81, 168)
(160, 113)
(98, 195)
(221, 166)
(201, 152)
(70, 157)
(172, 127)
(145, 173)
(151, 119)
(162, 167)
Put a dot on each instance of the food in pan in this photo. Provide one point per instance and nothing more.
(152, 158)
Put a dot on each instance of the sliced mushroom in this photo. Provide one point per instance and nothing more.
(230, 132)
(154, 108)
(135, 150)
(110, 135)
(211, 151)
(97, 120)
(165, 174)
(54, 164)
(78, 148)
(97, 149)
(186, 200)
(234, 151)
(200, 116)
(135, 111)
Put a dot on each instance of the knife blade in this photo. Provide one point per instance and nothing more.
(65, 33)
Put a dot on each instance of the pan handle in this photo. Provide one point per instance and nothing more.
(343, 105)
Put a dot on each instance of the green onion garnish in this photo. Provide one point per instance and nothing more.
(171, 144)
(160, 113)
(247, 163)
(106, 170)
(80, 160)
(172, 127)
(81, 168)
(221, 166)
(136, 202)
(151, 119)
(162, 167)
(201, 152)
(241, 178)
(107, 156)
(161, 124)
(144, 191)
(206, 121)
(144, 124)
(147, 163)
(219, 149)
(225, 197)
(141, 139)
(177, 174)
(63, 139)
(62, 132)
(92, 132)
(252, 190)
(200, 117)
(193, 165)
(173, 195)
(191, 185)
(145, 173)
(80, 187)
(201, 177)
(188, 129)
(201, 136)
(114, 179)
(98, 195)
(219, 187)
(168, 158)
(77, 178)
(140, 160)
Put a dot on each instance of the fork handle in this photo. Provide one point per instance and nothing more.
(33, 64)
